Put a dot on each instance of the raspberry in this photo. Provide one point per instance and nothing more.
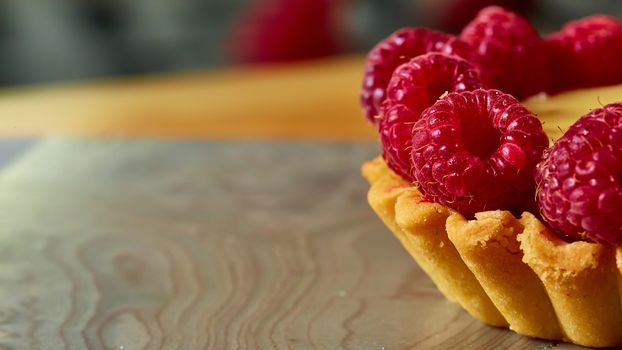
(586, 53)
(579, 178)
(415, 86)
(396, 139)
(278, 31)
(510, 50)
(398, 48)
(476, 151)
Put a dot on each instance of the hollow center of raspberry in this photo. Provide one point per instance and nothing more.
(435, 90)
(480, 138)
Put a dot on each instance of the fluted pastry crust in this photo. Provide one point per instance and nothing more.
(420, 227)
(506, 271)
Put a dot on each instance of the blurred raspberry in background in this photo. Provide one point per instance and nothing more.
(289, 30)
(285, 30)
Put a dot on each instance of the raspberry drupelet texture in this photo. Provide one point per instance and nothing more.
(510, 51)
(476, 151)
(579, 178)
(585, 53)
(396, 139)
(415, 86)
(397, 49)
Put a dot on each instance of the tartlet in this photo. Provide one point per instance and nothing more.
(507, 271)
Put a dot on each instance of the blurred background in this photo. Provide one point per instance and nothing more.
(59, 40)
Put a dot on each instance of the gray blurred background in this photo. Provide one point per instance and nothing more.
(59, 40)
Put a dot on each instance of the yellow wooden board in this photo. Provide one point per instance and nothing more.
(317, 99)
(310, 100)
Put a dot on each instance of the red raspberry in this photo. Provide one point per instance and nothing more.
(279, 31)
(510, 50)
(579, 178)
(476, 151)
(399, 48)
(415, 86)
(396, 139)
(586, 53)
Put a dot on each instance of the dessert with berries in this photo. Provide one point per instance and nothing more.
(520, 234)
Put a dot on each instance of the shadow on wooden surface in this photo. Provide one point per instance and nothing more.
(145, 245)
(11, 148)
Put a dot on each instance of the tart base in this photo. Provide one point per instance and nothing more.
(581, 280)
(489, 247)
(420, 227)
(506, 271)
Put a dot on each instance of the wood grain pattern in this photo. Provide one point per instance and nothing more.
(147, 245)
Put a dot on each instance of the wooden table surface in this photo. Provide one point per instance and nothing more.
(197, 245)
(143, 242)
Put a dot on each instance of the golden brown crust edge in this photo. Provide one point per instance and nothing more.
(581, 280)
(544, 287)
(489, 248)
(420, 227)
